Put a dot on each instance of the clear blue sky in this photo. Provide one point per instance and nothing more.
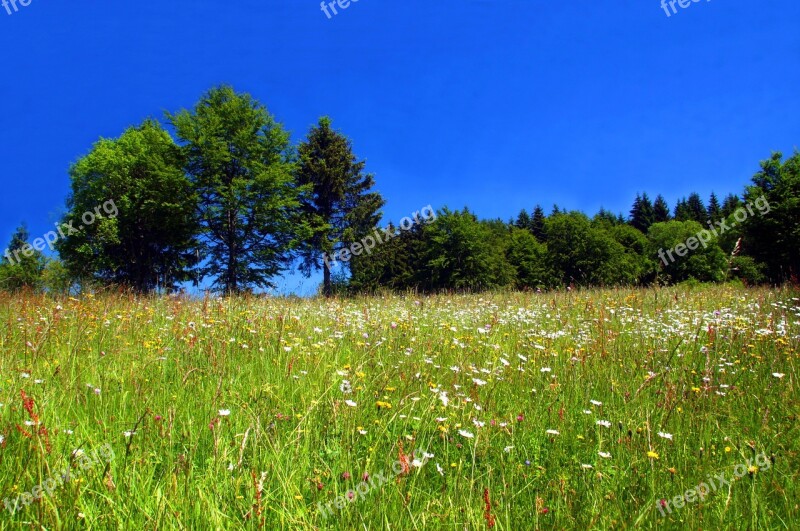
(497, 105)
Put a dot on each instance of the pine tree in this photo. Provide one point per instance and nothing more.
(682, 210)
(642, 213)
(341, 202)
(523, 220)
(21, 266)
(661, 210)
(730, 204)
(714, 209)
(538, 223)
(697, 209)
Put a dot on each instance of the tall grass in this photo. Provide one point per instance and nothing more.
(233, 413)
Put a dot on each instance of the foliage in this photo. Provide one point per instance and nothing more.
(241, 166)
(132, 211)
(340, 203)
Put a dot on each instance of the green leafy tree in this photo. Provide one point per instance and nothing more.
(395, 264)
(583, 254)
(241, 166)
(21, 265)
(131, 214)
(677, 264)
(771, 230)
(461, 254)
(605, 219)
(341, 203)
(635, 265)
(528, 257)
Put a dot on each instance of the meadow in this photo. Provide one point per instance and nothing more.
(596, 409)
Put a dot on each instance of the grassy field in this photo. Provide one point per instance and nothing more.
(590, 409)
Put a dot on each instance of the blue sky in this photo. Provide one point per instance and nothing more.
(497, 105)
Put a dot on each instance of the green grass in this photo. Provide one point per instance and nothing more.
(657, 360)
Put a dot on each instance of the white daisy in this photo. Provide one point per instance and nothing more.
(465, 433)
(552, 432)
(604, 423)
(224, 412)
(350, 403)
(665, 435)
(604, 455)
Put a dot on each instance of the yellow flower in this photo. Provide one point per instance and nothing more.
(652, 455)
(727, 449)
(752, 469)
(383, 405)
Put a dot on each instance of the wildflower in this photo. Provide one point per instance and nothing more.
(465, 433)
(478, 381)
(587, 467)
(664, 435)
(478, 423)
(604, 455)
(443, 397)
(778, 375)
(224, 412)
(350, 403)
(383, 405)
(595, 403)
(552, 432)
(604, 423)
(652, 455)
(508, 449)
(439, 469)
(587, 412)
(346, 387)
(545, 369)
(520, 417)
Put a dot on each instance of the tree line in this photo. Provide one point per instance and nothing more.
(225, 196)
